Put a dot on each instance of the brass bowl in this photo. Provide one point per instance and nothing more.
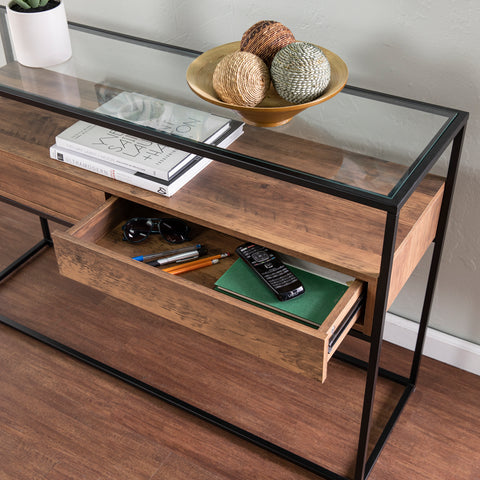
(273, 110)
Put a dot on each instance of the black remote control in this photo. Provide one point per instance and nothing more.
(266, 264)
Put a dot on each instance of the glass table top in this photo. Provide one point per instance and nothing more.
(363, 143)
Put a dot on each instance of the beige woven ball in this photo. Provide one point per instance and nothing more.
(265, 39)
(300, 72)
(241, 78)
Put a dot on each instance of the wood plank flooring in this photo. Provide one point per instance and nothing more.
(61, 419)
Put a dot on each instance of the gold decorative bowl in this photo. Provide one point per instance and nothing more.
(273, 110)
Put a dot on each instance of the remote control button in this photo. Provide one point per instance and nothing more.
(260, 256)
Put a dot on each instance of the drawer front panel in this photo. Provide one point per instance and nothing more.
(47, 192)
(238, 324)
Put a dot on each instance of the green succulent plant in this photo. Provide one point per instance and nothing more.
(28, 4)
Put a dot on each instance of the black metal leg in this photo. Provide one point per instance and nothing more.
(45, 242)
(375, 347)
(437, 252)
(46, 231)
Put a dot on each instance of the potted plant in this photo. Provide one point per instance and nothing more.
(39, 32)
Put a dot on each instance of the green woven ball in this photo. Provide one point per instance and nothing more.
(300, 72)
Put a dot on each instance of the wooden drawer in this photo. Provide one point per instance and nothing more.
(46, 192)
(93, 253)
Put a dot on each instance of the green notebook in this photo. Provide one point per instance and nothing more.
(311, 308)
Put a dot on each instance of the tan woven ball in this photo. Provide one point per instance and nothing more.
(241, 78)
(265, 39)
(300, 72)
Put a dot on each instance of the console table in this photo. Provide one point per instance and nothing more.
(347, 186)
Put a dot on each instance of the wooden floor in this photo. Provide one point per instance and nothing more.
(63, 420)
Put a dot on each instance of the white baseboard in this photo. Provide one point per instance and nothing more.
(438, 345)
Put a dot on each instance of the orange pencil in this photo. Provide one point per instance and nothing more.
(189, 268)
(195, 262)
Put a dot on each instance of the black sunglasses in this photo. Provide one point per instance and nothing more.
(173, 230)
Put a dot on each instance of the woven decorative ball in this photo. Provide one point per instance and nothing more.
(300, 72)
(241, 78)
(265, 39)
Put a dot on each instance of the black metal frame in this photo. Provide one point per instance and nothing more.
(46, 241)
(453, 131)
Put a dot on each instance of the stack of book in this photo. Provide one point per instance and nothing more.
(139, 162)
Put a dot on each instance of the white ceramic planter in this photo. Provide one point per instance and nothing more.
(40, 39)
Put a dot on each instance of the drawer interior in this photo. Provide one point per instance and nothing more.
(94, 253)
(105, 231)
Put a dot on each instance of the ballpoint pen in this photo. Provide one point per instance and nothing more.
(166, 253)
(188, 268)
(195, 262)
(179, 257)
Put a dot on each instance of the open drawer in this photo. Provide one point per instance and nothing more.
(93, 253)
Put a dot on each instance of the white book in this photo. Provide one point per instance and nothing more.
(135, 153)
(138, 179)
(126, 175)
